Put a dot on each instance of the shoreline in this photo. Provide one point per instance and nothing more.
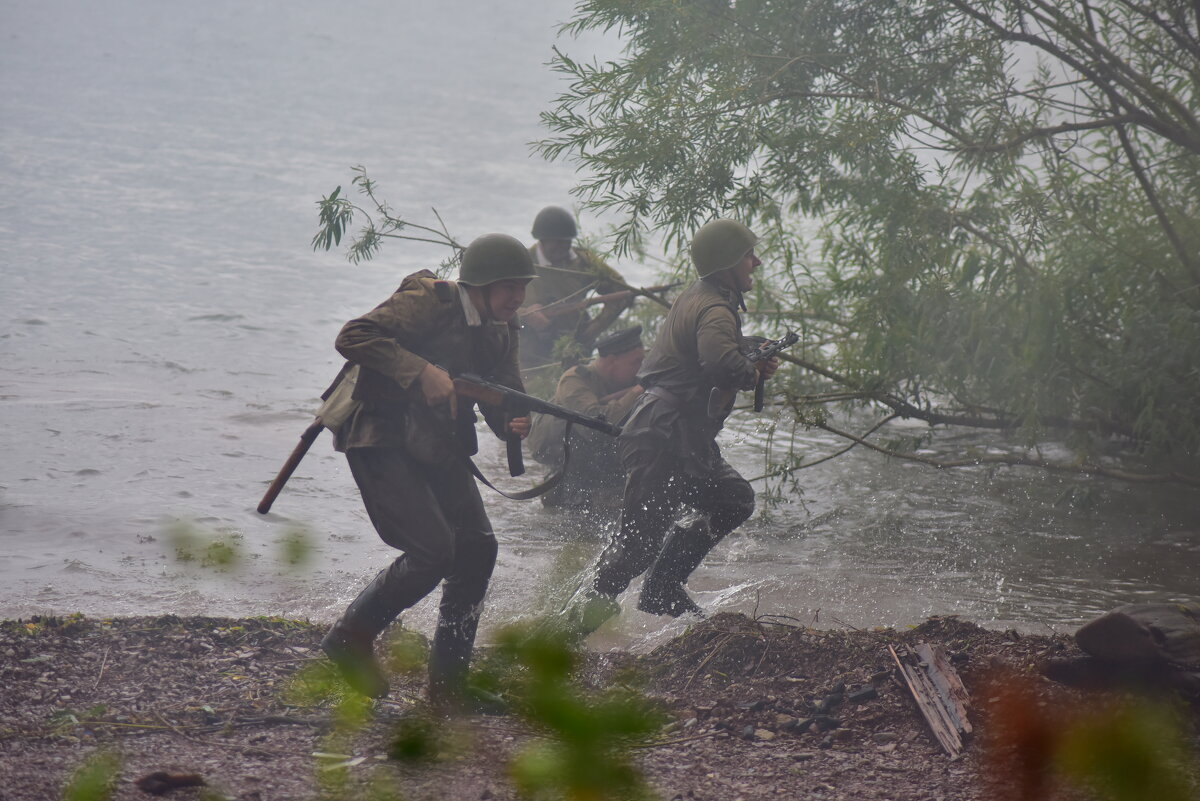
(745, 705)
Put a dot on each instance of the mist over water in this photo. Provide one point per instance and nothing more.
(165, 330)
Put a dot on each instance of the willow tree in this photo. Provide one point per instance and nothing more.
(980, 212)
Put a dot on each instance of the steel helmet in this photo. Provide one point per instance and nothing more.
(719, 245)
(554, 222)
(495, 257)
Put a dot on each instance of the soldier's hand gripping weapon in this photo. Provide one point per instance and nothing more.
(720, 400)
(518, 404)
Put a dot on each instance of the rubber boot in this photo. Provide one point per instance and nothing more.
(683, 551)
(350, 642)
(449, 661)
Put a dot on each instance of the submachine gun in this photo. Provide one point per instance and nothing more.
(719, 400)
(518, 404)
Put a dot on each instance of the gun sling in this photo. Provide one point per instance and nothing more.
(550, 483)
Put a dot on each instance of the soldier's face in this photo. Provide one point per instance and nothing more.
(741, 275)
(626, 366)
(558, 251)
(505, 297)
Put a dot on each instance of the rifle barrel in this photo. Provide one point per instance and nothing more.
(518, 403)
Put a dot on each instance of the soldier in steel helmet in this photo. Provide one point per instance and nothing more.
(668, 446)
(566, 274)
(408, 445)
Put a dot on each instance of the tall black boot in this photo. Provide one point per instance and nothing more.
(683, 551)
(350, 642)
(449, 661)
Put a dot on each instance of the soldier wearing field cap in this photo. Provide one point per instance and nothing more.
(606, 386)
(668, 446)
(566, 274)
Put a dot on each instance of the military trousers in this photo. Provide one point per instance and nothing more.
(658, 484)
(435, 515)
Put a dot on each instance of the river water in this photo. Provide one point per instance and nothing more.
(165, 328)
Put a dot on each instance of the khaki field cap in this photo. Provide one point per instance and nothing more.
(554, 222)
(719, 245)
(495, 257)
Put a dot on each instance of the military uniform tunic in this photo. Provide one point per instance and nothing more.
(594, 476)
(423, 322)
(668, 445)
(570, 283)
(409, 460)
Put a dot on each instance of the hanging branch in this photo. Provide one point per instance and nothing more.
(336, 214)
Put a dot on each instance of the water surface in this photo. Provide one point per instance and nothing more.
(165, 329)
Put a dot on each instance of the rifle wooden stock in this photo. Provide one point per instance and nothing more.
(481, 393)
(518, 404)
(492, 395)
(306, 440)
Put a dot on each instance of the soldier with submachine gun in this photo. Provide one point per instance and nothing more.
(668, 444)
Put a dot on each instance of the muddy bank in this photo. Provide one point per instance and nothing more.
(751, 709)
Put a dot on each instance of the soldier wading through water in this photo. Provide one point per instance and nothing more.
(565, 274)
(408, 446)
(668, 444)
(604, 387)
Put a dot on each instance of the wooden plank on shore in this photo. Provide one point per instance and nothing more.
(954, 696)
(939, 692)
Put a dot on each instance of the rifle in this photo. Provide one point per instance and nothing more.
(518, 404)
(559, 308)
(719, 400)
(337, 405)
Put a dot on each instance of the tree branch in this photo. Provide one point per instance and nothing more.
(1185, 41)
(1118, 68)
(787, 471)
(1013, 460)
(1164, 221)
(1043, 133)
(1106, 77)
